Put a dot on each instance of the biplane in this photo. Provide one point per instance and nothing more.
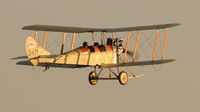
(110, 53)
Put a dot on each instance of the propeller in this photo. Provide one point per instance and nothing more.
(120, 49)
(130, 54)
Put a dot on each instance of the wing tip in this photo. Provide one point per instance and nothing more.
(30, 27)
(175, 24)
(169, 60)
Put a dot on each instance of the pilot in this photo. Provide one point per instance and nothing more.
(85, 44)
(119, 40)
(120, 46)
(109, 44)
(96, 47)
(96, 44)
(109, 41)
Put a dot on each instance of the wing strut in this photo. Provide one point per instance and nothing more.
(165, 43)
(126, 48)
(155, 45)
(136, 45)
(44, 40)
(36, 35)
(63, 43)
(73, 37)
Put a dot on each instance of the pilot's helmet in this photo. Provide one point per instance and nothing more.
(109, 41)
(121, 40)
(85, 44)
(96, 44)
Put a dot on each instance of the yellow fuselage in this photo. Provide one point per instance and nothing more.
(80, 57)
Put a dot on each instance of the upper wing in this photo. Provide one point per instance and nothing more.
(138, 63)
(83, 30)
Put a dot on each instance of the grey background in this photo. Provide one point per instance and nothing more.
(175, 88)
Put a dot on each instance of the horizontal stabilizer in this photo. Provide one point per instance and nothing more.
(19, 57)
(54, 65)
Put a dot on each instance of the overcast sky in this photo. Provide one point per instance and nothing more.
(175, 88)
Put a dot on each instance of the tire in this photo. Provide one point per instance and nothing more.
(93, 78)
(123, 78)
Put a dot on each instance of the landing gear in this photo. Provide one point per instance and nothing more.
(123, 78)
(93, 78)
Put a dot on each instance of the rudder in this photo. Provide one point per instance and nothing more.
(32, 50)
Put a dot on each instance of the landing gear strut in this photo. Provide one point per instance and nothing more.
(46, 68)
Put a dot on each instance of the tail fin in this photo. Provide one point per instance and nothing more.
(33, 51)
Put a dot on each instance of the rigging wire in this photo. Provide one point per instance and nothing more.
(80, 37)
(161, 66)
(144, 49)
(128, 68)
(93, 37)
(52, 35)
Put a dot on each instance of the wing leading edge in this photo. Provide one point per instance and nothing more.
(84, 30)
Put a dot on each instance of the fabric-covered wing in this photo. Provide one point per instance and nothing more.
(138, 63)
(84, 30)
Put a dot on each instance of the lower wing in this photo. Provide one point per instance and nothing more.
(137, 63)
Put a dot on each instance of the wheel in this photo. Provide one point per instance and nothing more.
(123, 78)
(93, 78)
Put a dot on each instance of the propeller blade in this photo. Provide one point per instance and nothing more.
(130, 54)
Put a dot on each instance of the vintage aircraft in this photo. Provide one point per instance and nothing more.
(109, 54)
